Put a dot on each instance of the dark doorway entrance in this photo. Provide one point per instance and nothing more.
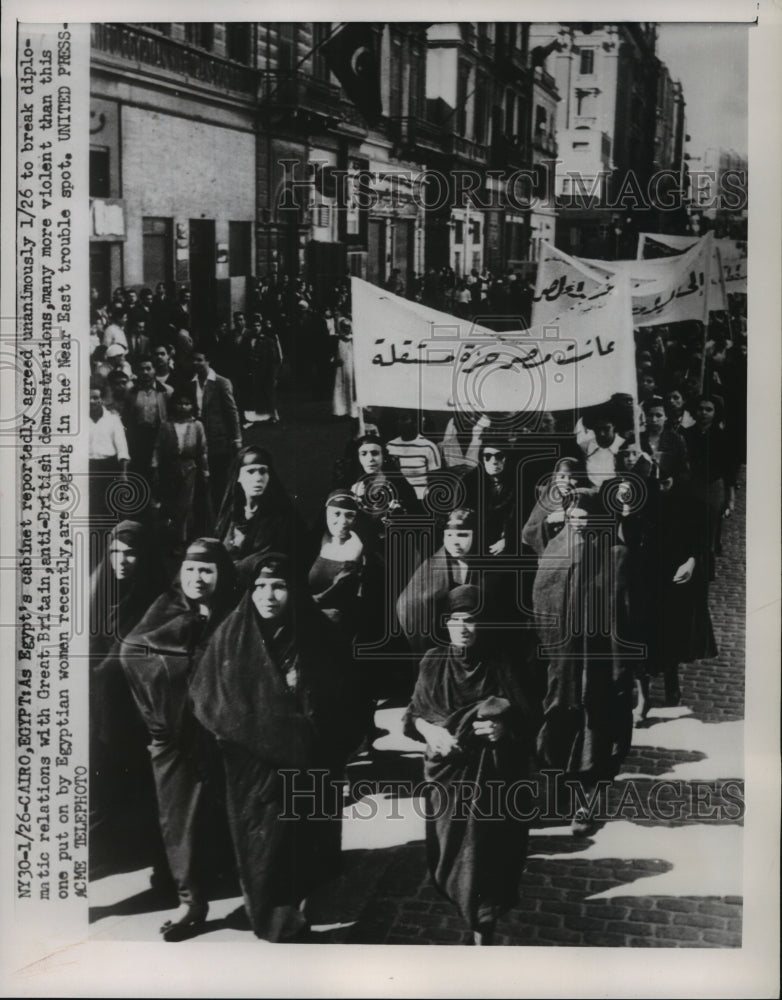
(202, 275)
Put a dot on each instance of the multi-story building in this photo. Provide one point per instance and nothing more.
(718, 192)
(219, 151)
(606, 75)
(172, 160)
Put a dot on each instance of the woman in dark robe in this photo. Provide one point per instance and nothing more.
(661, 443)
(158, 658)
(423, 601)
(713, 468)
(123, 586)
(257, 514)
(274, 689)
(376, 481)
(336, 575)
(582, 610)
(490, 490)
(386, 502)
(469, 709)
(670, 582)
(567, 487)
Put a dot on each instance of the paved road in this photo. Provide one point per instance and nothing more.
(665, 878)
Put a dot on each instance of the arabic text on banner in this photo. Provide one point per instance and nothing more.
(732, 256)
(413, 357)
(677, 293)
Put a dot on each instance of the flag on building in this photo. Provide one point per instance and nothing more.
(352, 56)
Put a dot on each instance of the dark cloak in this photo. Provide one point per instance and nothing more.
(421, 604)
(476, 838)
(581, 604)
(264, 727)
(158, 657)
(119, 762)
(275, 525)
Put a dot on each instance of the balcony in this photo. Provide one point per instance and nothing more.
(466, 149)
(413, 133)
(151, 51)
(545, 144)
(300, 98)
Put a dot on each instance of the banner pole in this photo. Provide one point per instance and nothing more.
(706, 284)
(724, 291)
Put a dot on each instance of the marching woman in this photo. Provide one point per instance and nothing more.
(256, 513)
(122, 587)
(469, 709)
(158, 658)
(490, 489)
(582, 609)
(336, 575)
(273, 688)
(423, 601)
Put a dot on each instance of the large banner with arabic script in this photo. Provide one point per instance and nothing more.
(669, 280)
(415, 357)
(665, 291)
(732, 256)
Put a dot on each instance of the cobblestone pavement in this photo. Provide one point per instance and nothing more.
(666, 878)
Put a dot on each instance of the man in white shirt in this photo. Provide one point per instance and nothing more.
(599, 443)
(115, 331)
(108, 450)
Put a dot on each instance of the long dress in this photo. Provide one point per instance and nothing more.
(582, 612)
(278, 700)
(158, 658)
(476, 849)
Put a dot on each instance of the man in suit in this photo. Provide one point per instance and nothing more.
(219, 414)
(138, 342)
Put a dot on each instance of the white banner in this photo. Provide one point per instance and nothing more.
(664, 286)
(732, 257)
(668, 292)
(413, 357)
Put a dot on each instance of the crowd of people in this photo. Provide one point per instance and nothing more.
(514, 579)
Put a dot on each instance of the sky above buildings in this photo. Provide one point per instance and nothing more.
(711, 61)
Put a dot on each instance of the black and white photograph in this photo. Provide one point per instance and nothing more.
(403, 536)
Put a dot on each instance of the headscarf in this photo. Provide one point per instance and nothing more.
(274, 524)
(117, 606)
(240, 692)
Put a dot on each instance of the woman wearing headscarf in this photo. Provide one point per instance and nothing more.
(469, 709)
(158, 658)
(122, 587)
(490, 490)
(256, 513)
(422, 602)
(566, 488)
(583, 611)
(273, 688)
(336, 575)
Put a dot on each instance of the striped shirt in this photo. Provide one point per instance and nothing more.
(417, 458)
